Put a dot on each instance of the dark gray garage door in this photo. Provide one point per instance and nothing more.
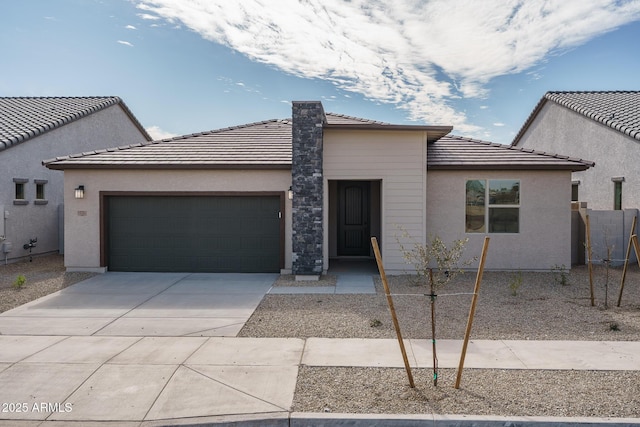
(194, 234)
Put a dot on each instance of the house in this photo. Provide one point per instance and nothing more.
(292, 195)
(604, 127)
(32, 129)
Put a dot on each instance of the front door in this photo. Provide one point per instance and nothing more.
(353, 218)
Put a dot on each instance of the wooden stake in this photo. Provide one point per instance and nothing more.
(396, 325)
(636, 247)
(593, 301)
(626, 261)
(433, 328)
(472, 311)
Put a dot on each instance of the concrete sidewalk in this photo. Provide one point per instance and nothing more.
(148, 381)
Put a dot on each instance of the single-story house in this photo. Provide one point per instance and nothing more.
(35, 128)
(291, 195)
(605, 127)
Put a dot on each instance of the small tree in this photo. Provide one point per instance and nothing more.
(437, 264)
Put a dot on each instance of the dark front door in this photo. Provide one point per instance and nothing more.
(353, 218)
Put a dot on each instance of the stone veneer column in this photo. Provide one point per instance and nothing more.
(307, 182)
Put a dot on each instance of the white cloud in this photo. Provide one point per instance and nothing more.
(416, 55)
(148, 17)
(125, 43)
(130, 27)
(157, 133)
(499, 124)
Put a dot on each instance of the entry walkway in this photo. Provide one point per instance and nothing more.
(345, 284)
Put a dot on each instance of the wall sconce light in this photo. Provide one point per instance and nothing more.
(80, 192)
(290, 193)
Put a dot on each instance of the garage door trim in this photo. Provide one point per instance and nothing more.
(104, 211)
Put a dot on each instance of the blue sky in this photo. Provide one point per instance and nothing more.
(185, 66)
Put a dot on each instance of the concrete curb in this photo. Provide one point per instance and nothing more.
(299, 419)
(309, 419)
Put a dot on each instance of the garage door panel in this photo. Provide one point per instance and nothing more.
(199, 234)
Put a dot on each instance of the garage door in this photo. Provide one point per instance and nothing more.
(194, 234)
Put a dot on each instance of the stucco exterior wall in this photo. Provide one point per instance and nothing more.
(106, 128)
(544, 239)
(560, 130)
(82, 216)
(398, 161)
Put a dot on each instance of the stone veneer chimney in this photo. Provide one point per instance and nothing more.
(308, 119)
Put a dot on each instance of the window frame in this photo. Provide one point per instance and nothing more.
(617, 193)
(488, 206)
(20, 191)
(41, 198)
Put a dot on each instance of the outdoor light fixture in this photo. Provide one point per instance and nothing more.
(290, 193)
(80, 192)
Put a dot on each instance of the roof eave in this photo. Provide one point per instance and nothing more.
(175, 166)
(518, 167)
(433, 132)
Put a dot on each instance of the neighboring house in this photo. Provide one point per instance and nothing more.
(291, 195)
(33, 129)
(600, 126)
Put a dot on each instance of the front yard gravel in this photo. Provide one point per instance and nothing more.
(541, 309)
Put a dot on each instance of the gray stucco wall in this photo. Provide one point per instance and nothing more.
(560, 130)
(110, 127)
(544, 237)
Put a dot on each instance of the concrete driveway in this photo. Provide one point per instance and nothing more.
(144, 304)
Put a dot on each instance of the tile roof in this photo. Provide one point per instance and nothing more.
(23, 118)
(264, 144)
(267, 145)
(456, 152)
(620, 110)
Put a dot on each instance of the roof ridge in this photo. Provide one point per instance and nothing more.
(226, 129)
(363, 120)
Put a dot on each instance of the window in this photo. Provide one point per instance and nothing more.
(617, 193)
(20, 197)
(575, 186)
(40, 194)
(19, 191)
(492, 206)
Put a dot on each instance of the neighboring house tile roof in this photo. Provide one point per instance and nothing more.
(620, 110)
(456, 152)
(23, 118)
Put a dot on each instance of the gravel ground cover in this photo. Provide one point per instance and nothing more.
(541, 309)
(43, 275)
